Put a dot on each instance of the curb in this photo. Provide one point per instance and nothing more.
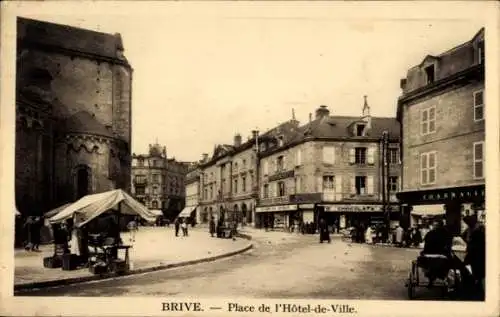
(76, 280)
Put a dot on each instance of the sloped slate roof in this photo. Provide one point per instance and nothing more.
(340, 127)
(84, 122)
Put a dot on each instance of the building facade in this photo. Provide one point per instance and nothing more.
(441, 111)
(229, 182)
(330, 168)
(193, 189)
(73, 115)
(158, 181)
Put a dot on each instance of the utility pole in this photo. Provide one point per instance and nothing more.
(385, 182)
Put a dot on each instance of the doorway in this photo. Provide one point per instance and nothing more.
(82, 182)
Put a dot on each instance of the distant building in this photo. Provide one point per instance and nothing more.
(158, 182)
(193, 190)
(229, 182)
(73, 115)
(441, 111)
(330, 168)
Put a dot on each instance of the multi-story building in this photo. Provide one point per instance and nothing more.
(193, 189)
(229, 182)
(441, 111)
(158, 182)
(330, 168)
(73, 115)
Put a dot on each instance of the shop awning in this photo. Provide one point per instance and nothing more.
(428, 210)
(91, 206)
(186, 212)
(17, 212)
(55, 211)
(156, 212)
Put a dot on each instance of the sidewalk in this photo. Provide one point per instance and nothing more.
(154, 248)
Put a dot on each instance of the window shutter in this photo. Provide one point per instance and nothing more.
(352, 156)
(265, 168)
(353, 185)
(299, 158)
(319, 183)
(284, 163)
(369, 185)
(371, 155)
(332, 155)
(299, 184)
(338, 187)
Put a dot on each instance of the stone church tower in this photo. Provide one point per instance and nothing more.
(73, 115)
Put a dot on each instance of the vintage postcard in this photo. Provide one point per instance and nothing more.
(174, 158)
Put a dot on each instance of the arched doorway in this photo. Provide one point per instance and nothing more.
(82, 181)
(154, 204)
(244, 213)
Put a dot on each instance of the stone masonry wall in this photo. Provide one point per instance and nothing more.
(455, 133)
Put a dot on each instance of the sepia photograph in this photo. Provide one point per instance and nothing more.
(285, 158)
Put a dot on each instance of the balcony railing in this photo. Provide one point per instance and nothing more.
(275, 200)
(140, 181)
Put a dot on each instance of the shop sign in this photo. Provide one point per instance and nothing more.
(352, 208)
(282, 175)
(454, 194)
(276, 208)
(306, 206)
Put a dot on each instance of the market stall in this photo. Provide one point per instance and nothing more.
(107, 209)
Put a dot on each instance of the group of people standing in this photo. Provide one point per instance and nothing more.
(181, 223)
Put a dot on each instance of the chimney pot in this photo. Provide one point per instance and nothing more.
(322, 112)
(237, 140)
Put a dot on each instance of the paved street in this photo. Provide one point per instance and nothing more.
(280, 265)
(153, 246)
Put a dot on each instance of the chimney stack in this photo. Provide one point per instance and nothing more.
(255, 134)
(322, 112)
(237, 140)
(310, 117)
(204, 157)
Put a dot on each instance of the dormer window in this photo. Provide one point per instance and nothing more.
(360, 129)
(430, 73)
(280, 140)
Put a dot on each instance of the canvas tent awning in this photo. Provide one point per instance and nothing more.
(156, 212)
(428, 210)
(91, 206)
(55, 211)
(17, 212)
(186, 212)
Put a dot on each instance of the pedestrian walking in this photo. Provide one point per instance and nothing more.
(324, 234)
(399, 236)
(177, 225)
(369, 235)
(132, 227)
(184, 227)
(212, 227)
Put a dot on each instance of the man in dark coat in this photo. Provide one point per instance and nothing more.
(212, 227)
(476, 251)
(438, 241)
(177, 225)
(324, 234)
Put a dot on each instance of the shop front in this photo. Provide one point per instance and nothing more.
(276, 217)
(341, 216)
(454, 203)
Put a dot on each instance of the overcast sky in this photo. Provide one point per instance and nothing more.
(204, 73)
